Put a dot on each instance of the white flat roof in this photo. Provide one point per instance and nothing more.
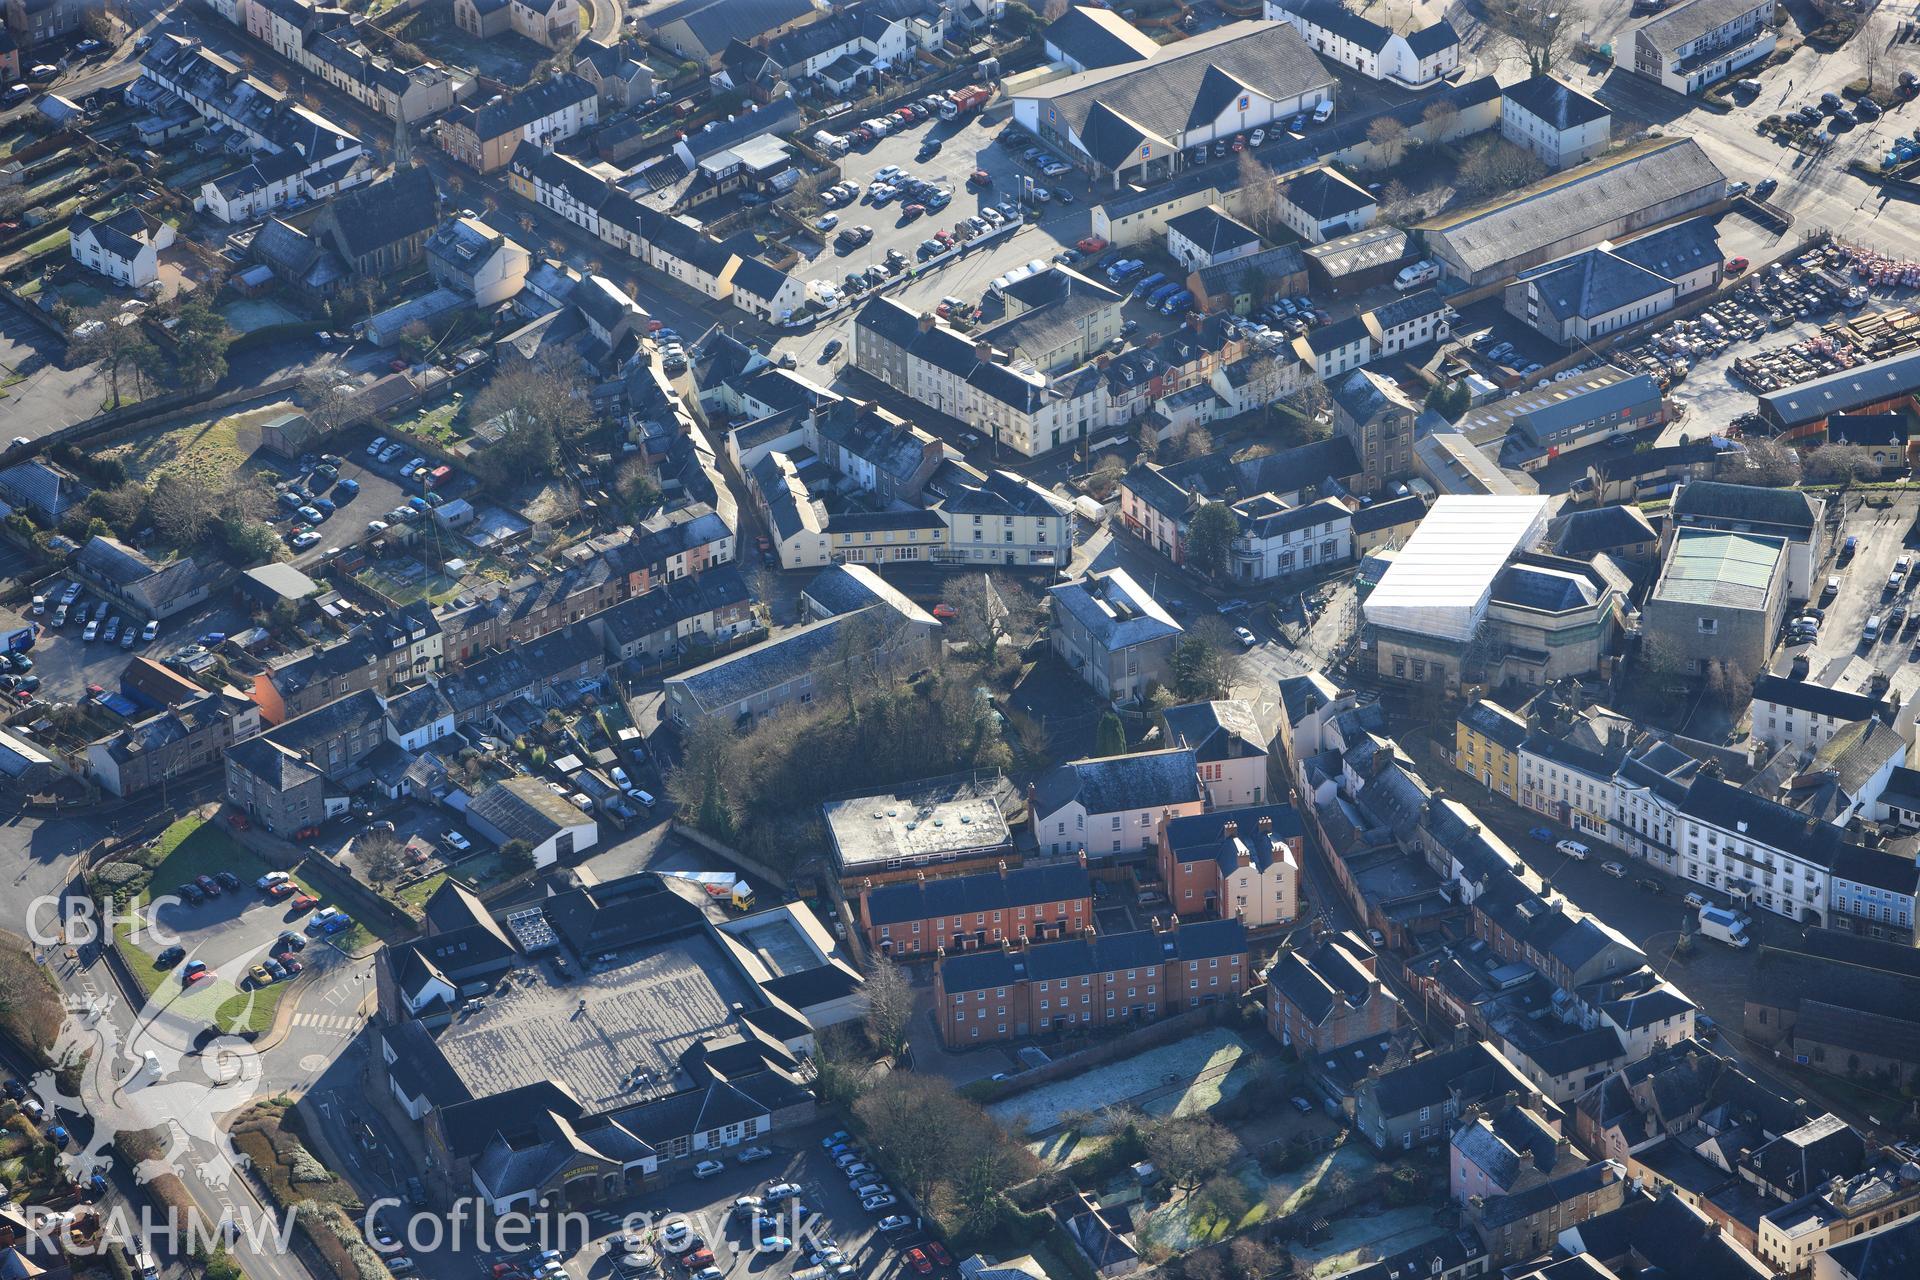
(1439, 583)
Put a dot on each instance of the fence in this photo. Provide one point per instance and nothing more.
(752, 868)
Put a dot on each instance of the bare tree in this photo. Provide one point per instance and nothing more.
(889, 1006)
(1056, 10)
(1189, 1149)
(1196, 441)
(1542, 32)
(181, 508)
(981, 613)
(1494, 166)
(1259, 194)
(1767, 464)
(379, 856)
(1439, 117)
(1388, 134)
(1873, 46)
(329, 399)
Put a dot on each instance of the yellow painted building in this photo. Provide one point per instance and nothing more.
(1486, 747)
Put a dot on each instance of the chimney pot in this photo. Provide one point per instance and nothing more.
(1229, 830)
(1266, 824)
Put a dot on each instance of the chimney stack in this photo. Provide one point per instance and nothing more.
(1266, 824)
(1229, 830)
(1003, 868)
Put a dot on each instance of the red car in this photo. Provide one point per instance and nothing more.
(1239, 142)
(282, 888)
(304, 902)
(1736, 265)
(306, 833)
(980, 178)
(943, 610)
(944, 237)
(940, 1255)
(912, 211)
(919, 1260)
(208, 885)
(238, 821)
(1091, 244)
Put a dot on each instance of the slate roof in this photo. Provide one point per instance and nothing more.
(1476, 1070)
(760, 278)
(1187, 83)
(1212, 727)
(1554, 103)
(1896, 873)
(1072, 957)
(1116, 611)
(1719, 803)
(1003, 890)
(1322, 194)
(1747, 506)
(1844, 392)
(554, 94)
(525, 809)
(1690, 21)
(1675, 251)
(1213, 231)
(1504, 1209)
(1592, 284)
(1575, 202)
(729, 680)
(1351, 27)
(1431, 39)
(1203, 836)
(713, 22)
(1892, 1254)
(1587, 532)
(1098, 37)
(1495, 723)
(365, 218)
(1115, 784)
(1805, 695)
(1328, 977)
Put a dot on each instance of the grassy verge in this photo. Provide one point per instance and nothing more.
(190, 848)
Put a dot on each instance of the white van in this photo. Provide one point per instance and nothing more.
(1872, 630)
(1323, 112)
(1425, 271)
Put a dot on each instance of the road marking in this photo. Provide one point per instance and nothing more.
(326, 1021)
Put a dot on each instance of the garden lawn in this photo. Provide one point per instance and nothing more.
(1189, 1075)
(1180, 1225)
(211, 452)
(414, 896)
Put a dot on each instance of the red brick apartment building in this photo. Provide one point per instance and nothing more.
(1008, 992)
(1328, 994)
(964, 913)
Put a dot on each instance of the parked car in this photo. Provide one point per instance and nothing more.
(709, 1169)
(1573, 849)
(1614, 869)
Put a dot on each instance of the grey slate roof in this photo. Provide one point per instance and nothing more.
(524, 809)
(1212, 230)
(1593, 283)
(1003, 890)
(1675, 251)
(1115, 610)
(1844, 392)
(1575, 203)
(1560, 107)
(1592, 530)
(1098, 37)
(1690, 21)
(1191, 81)
(1322, 194)
(1113, 784)
(1746, 504)
(1071, 957)
(1818, 699)
(738, 676)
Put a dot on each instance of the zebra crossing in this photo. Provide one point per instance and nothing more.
(326, 1021)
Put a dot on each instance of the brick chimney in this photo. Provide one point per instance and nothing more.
(1266, 825)
(1230, 830)
(926, 321)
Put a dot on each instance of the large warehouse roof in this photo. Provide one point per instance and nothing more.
(1440, 581)
(1860, 387)
(1580, 202)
